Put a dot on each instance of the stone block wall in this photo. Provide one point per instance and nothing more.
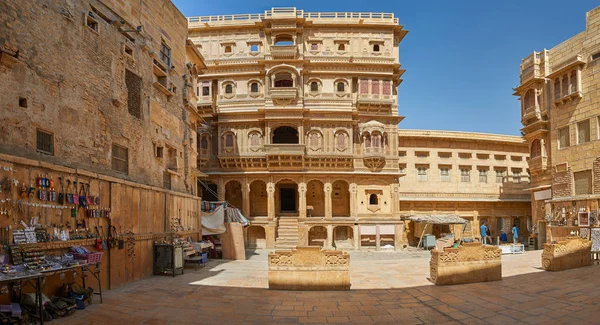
(68, 78)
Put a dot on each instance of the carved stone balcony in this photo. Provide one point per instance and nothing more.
(530, 68)
(375, 99)
(538, 164)
(285, 149)
(284, 51)
(374, 158)
(283, 95)
(531, 114)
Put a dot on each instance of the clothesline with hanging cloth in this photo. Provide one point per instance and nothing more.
(214, 214)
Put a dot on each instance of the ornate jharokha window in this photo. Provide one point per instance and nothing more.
(387, 88)
(364, 86)
(375, 87)
(536, 149)
(254, 87)
(314, 86)
(341, 87)
(341, 141)
(228, 142)
(284, 79)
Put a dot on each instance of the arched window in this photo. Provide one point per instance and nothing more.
(557, 88)
(228, 49)
(204, 143)
(529, 98)
(367, 141)
(573, 82)
(536, 148)
(376, 140)
(229, 140)
(254, 87)
(314, 86)
(341, 87)
(254, 139)
(229, 89)
(565, 85)
(284, 79)
(373, 199)
(285, 134)
(375, 47)
(341, 47)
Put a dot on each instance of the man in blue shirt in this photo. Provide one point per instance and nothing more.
(483, 229)
(515, 232)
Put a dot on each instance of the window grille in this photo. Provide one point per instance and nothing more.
(45, 142)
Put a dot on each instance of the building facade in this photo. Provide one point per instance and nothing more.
(302, 122)
(477, 176)
(301, 133)
(559, 94)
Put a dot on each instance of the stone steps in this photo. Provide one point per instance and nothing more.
(287, 233)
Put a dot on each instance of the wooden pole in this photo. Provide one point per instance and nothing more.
(422, 234)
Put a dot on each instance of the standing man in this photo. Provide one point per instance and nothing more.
(483, 230)
(515, 232)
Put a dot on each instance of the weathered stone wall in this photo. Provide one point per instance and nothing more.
(73, 80)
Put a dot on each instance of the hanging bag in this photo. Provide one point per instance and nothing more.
(75, 196)
(98, 244)
(82, 198)
(69, 195)
(61, 194)
(89, 200)
(104, 245)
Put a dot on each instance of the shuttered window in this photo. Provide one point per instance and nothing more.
(45, 142)
(120, 159)
(583, 132)
(583, 182)
(563, 138)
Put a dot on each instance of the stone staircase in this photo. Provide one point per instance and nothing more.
(287, 232)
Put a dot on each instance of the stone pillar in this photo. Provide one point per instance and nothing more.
(245, 197)
(270, 235)
(579, 87)
(302, 199)
(328, 208)
(356, 236)
(221, 189)
(353, 202)
(395, 200)
(270, 200)
(329, 242)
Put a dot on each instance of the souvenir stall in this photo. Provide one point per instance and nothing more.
(439, 230)
(573, 218)
(61, 228)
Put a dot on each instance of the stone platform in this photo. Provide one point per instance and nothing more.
(567, 254)
(469, 263)
(309, 268)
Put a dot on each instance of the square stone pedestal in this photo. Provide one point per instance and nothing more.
(469, 263)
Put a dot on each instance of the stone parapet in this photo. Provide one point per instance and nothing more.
(469, 263)
(567, 254)
(309, 268)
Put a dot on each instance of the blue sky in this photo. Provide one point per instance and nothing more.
(461, 57)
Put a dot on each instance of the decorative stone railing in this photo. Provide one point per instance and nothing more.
(285, 149)
(469, 263)
(309, 268)
(284, 52)
(567, 254)
(539, 163)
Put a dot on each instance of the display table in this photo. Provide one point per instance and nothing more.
(31, 279)
(93, 269)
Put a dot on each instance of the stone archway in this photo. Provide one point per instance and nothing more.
(343, 237)
(258, 199)
(256, 237)
(340, 199)
(286, 197)
(315, 198)
(233, 194)
(317, 236)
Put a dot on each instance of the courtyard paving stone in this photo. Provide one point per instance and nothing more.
(526, 295)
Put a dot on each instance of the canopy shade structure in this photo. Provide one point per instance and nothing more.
(440, 219)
